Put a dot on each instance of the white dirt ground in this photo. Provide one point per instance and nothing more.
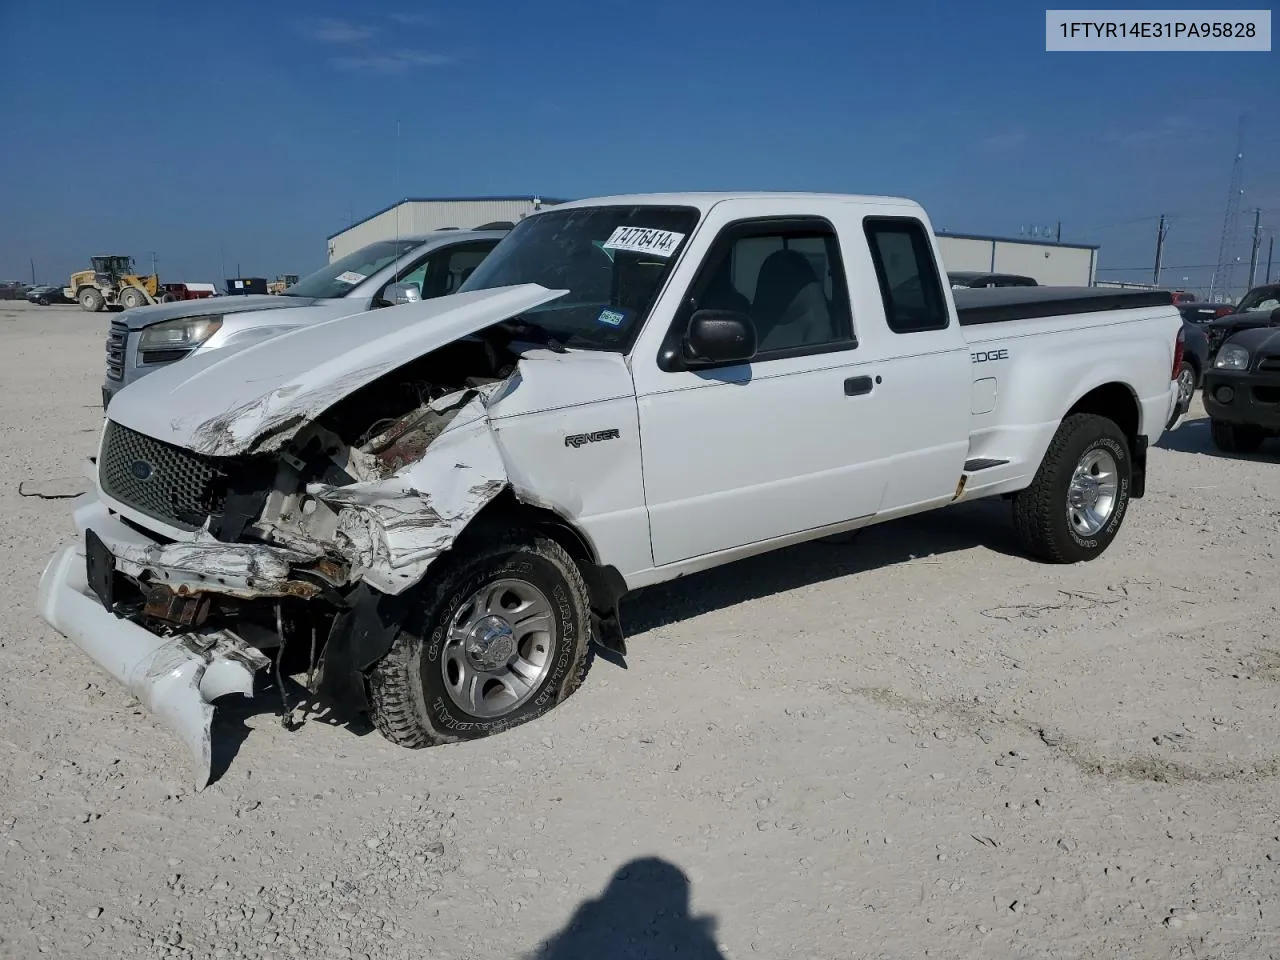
(918, 744)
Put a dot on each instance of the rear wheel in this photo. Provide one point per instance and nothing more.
(500, 636)
(132, 297)
(91, 299)
(1075, 504)
(1186, 390)
(1236, 437)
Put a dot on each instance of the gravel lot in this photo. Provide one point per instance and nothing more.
(918, 744)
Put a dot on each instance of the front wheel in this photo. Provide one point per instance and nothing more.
(500, 635)
(132, 297)
(1236, 437)
(91, 299)
(1075, 504)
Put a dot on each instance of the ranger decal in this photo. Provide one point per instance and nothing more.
(578, 439)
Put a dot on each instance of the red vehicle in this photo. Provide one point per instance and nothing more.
(188, 291)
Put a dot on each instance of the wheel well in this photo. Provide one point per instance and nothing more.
(506, 511)
(605, 584)
(1117, 403)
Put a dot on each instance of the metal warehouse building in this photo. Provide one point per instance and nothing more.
(417, 215)
(1048, 262)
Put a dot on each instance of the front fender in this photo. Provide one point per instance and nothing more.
(392, 529)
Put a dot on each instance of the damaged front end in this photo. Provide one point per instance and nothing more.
(193, 570)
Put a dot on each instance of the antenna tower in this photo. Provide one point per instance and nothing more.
(1225, 274)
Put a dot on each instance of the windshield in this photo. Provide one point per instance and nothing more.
(612, 260)
(338, 278)
(1263, 298)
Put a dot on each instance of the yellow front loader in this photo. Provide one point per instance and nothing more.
(113, 282)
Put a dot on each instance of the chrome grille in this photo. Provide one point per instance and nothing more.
(116, 341)
(165, 482)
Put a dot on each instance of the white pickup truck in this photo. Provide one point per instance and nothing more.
(432, 509)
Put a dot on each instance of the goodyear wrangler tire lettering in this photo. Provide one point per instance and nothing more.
(1075, 480)
(410, 698)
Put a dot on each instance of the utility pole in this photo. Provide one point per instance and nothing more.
(1271, 247)
(33, 271)
(1160, 232)
(1257, 245)
(153, 262)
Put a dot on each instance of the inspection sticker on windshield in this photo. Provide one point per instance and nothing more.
(351, 277)
(611, 318)
(661, 243)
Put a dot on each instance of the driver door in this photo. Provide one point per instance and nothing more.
(750, 452)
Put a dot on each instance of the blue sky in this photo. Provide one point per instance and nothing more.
(248, 132)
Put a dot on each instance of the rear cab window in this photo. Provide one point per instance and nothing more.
(910, 285)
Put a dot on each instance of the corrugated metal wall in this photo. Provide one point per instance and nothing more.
(418, 217)
(1051, 266)
(962, 253)
(1048, 264)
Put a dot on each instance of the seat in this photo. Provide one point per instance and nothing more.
(790, 308)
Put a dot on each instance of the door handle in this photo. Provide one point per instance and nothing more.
(857, 386)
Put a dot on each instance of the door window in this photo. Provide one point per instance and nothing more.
(443, 271)
(908, 276)
(787, 277)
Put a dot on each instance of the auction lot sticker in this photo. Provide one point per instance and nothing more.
(660, 243)
(1204, 31)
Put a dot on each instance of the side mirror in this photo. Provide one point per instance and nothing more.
(719, 336)
(398, 293)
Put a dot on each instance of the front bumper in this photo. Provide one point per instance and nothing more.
(1238, 396)
(178, 676)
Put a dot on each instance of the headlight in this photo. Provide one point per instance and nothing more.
(184, 334)
(1232, 357)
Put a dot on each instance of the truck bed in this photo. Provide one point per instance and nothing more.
(1001, 304)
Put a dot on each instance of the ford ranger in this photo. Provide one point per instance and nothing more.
(429, 511)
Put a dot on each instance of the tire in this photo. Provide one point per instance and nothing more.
(91, 299)
(132, 297)
(418, 692)
(1061, 521)
(43, 301)
(1236, 437)
(1186, 392)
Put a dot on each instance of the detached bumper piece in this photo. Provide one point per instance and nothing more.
(1251, 398)
(176, 676)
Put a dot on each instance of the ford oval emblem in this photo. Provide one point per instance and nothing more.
(141, 470)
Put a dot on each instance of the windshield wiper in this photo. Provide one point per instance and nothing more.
(520, 327)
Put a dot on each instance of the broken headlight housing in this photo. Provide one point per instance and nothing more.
(174, 339)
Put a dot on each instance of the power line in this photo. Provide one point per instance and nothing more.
(1147, 269)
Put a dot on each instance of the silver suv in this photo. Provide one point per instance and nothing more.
(382, 274)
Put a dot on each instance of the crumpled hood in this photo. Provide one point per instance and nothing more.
(251, 398)
(1240, 321)
(140, 317)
